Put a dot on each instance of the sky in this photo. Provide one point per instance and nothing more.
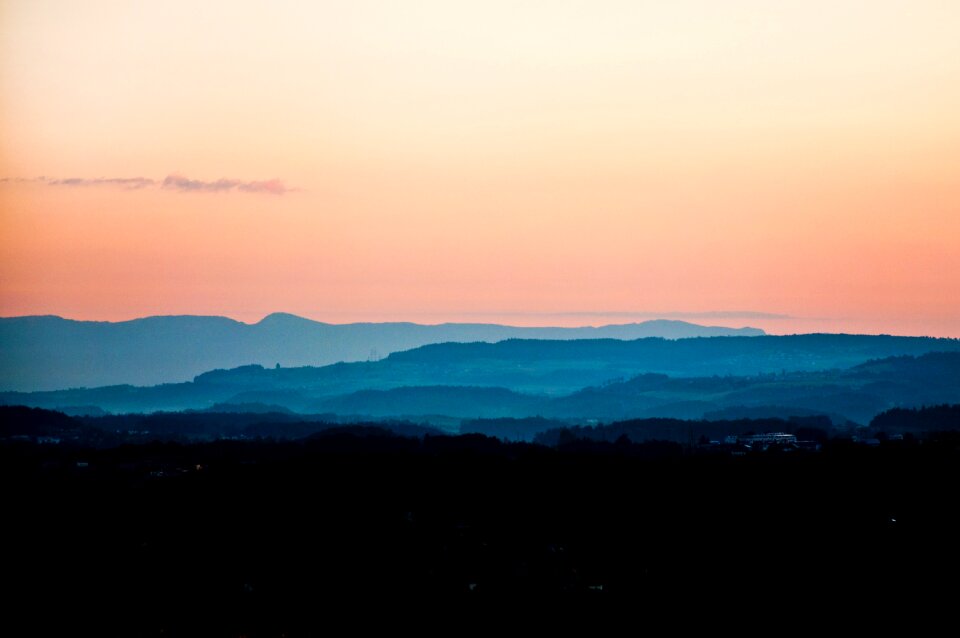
(788, 165)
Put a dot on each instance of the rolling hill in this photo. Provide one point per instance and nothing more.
(390, 389)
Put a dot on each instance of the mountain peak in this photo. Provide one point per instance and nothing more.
(283, 318)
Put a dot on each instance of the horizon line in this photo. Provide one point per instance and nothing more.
(725, 316)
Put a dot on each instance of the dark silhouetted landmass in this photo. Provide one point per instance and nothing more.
(688, 432)
(18, 420)
(273, 537)
(918, 420)
(510, 429)
(48, 426)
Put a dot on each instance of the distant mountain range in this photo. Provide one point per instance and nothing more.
(51, 353)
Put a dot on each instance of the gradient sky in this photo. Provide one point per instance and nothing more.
(551, 162)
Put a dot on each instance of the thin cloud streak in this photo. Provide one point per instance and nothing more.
(710, 314)
(172, 182)
(186, 185)
(21, 180)
(132, 183)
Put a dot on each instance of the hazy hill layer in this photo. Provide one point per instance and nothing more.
(50, 353)
(470, 391)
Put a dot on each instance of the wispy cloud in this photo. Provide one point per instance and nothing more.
(122, 182)
(21, 180)
(172, 182)
(184, 184)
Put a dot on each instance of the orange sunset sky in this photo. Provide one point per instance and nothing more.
(788, 165)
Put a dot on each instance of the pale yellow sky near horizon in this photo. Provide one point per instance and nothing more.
(501, 161)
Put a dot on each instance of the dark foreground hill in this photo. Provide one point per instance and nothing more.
(259, 538)
(50, 353)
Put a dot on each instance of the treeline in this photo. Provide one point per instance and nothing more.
(936, 418)
(49, 426)
(19, 422)
(511, 429)
(814, 428)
